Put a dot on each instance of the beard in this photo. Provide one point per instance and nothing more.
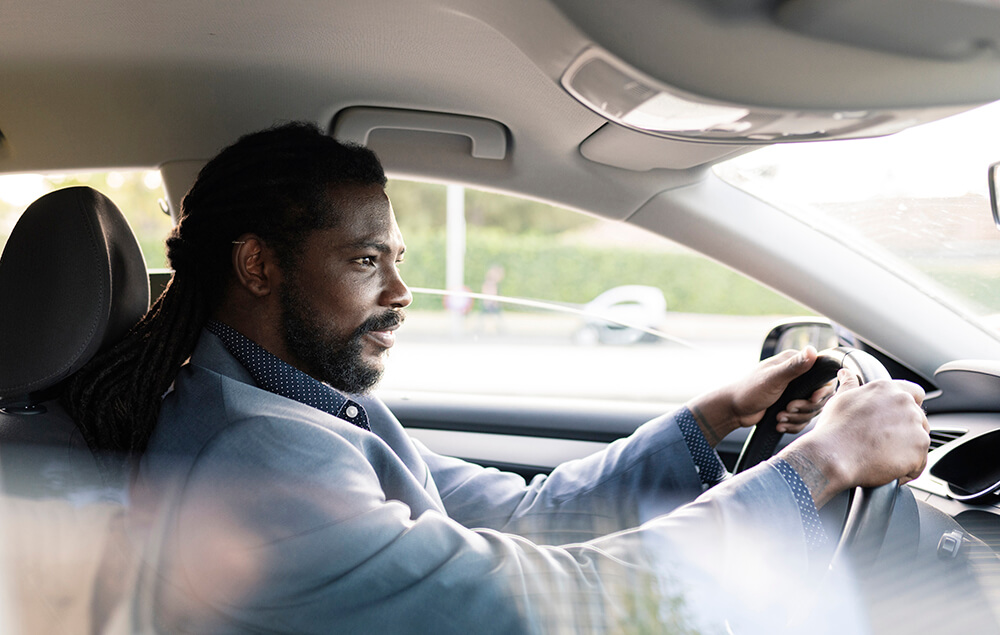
(328, 357)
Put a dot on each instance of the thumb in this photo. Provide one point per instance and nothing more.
(795, 365)
(847, 379)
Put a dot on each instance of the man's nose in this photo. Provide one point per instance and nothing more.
(396, 295)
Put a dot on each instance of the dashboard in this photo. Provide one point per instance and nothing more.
(962, 478)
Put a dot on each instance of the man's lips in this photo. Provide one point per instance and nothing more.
(385, 338)
(380, 329)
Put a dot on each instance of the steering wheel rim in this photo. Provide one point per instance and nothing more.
(871, 507)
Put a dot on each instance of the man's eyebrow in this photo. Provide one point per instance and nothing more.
(380, 247)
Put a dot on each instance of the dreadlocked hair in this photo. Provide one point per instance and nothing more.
(277, 184)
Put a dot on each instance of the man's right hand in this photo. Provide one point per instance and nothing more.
(866, 436)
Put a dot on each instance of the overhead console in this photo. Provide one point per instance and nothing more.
(769, 71)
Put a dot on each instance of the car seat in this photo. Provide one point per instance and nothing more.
(72, 282)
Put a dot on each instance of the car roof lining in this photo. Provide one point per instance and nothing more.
(146, 87)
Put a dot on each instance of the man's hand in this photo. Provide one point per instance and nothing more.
(743, 404)
(866, 436)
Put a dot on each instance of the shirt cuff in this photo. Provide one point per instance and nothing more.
(706, 460)
(812, 525)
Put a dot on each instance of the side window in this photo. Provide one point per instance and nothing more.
(514, 297)
(136, 193)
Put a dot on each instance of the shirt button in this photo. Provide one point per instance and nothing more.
(351, 411)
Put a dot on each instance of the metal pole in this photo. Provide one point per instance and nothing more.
(455, 254)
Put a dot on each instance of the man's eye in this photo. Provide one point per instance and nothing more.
(367, 261)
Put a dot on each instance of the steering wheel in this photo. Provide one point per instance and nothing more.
(870, 508)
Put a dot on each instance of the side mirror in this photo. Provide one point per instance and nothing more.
(994, 178)
(797, 334)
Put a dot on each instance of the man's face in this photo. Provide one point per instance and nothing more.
(344, 300)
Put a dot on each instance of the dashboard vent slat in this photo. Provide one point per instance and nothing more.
(940, 437)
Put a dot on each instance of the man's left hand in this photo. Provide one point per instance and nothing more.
(743, 404)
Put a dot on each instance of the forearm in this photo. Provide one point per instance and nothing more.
(647, 474)
(819, 470)
(714, 416)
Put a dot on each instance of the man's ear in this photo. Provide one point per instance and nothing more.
(255, 265)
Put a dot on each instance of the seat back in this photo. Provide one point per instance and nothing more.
(72, 282)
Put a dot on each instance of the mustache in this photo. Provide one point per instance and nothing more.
(383, 321)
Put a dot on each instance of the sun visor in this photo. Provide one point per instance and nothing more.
(623, 148)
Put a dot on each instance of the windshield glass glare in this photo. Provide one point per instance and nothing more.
(917, 201)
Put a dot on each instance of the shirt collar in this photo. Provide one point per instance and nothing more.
(281, 378)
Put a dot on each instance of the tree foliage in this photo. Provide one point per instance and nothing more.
(136, 193)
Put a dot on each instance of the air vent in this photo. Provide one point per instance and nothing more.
(940, 437)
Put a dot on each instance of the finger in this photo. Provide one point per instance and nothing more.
(780, 358)
(777, 361)
(823, 393)
(788, 365)
(792, 428)
(804, 406)
(914, 475)
(804, 360)
(916, 391)
(847, 379)
(795, 418)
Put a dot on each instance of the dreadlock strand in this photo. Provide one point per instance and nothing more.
(115, 397)
(168, 343)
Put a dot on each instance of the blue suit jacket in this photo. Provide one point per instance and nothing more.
(283, 518)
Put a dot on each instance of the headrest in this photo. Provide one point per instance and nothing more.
(72, 281)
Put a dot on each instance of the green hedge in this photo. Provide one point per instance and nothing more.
(542, 268)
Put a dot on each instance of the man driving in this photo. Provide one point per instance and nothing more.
(297, 503)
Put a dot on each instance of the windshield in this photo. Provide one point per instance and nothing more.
(917, 201)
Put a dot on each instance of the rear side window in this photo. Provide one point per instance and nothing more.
(136, 192)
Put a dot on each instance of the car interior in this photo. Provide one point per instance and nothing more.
(617, 112)
(77, 281)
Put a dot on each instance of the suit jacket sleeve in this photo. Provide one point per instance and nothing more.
(283, 526)
(633, 480)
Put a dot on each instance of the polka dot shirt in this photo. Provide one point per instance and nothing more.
(815, 533)
(275, 376)
(711, 470)
(706, 460)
